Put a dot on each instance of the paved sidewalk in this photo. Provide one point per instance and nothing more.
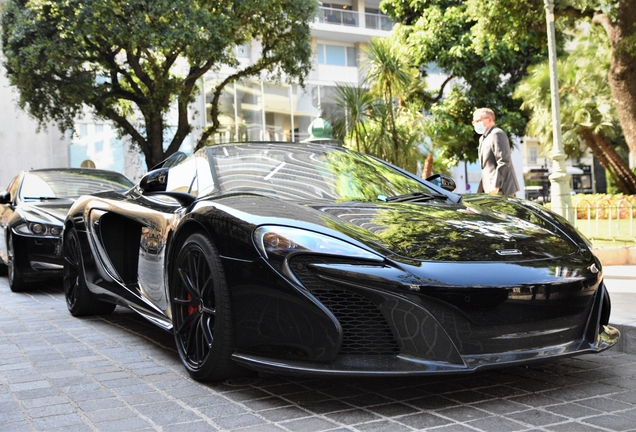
(119, 373)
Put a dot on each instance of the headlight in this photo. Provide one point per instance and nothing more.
(277, 243)
(39, 229)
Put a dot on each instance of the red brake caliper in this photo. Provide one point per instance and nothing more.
(191, 308)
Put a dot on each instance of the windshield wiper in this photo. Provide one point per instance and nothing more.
(413, 197)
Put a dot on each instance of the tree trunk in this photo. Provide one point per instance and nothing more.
(427, 171)
(610, 160)
(626, 176)
(622, 74)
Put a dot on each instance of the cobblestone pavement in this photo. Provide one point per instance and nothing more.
(118, 373)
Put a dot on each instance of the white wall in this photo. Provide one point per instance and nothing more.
(21, 146)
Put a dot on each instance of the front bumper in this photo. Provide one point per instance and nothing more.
(38, 257)
(371, 319)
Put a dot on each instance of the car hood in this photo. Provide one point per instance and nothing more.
(50, 212)
(485, 229)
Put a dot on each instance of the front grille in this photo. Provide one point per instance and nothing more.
(365, 330)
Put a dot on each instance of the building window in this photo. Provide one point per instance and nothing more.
(533, 156)
(337, 55)
(243, 51)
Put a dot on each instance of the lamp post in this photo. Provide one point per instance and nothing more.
(559, 179)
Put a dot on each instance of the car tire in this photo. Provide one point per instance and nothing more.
(201, 311)
(16, 281)
(79, 300)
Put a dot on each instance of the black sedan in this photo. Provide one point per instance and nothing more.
(312, 259)
(32, 212)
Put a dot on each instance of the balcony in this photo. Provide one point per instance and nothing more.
(349, 25)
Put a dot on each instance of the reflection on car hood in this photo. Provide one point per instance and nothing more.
(51, 212)
(486, 230)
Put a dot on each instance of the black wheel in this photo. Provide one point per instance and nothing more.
(16, 282)
(201, 312)
(79, 300)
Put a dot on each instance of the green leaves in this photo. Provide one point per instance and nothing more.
(132, 61)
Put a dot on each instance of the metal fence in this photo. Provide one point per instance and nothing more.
(606, 221)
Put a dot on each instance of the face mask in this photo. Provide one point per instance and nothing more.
(480, 128)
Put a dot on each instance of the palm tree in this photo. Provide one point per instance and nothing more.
(358, 104)
(587, 111)
(390, 75)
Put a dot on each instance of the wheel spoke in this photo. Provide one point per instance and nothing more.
(207, 329)
(186, 280)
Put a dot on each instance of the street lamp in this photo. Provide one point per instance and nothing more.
(559, 179)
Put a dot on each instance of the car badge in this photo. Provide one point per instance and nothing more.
(506, 252)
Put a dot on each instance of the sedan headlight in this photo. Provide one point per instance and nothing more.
(277, 243)
(39, 229)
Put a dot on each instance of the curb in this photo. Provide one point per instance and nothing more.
(611, 256)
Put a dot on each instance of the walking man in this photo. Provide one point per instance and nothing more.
(497, 173)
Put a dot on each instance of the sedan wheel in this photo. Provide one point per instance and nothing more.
(201, 311)
(16, 282)
(79, 300)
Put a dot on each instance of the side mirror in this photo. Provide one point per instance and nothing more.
(155, 181)
(443, 181)
(5, 197)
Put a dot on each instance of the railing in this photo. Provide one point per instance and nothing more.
(354, 18)
(378, 22)
(606, 222)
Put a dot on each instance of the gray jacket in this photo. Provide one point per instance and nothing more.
(496, 164)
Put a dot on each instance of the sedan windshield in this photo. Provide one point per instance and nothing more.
(297, 172)
(69, 184)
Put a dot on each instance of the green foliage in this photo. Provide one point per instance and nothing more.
(487, 47)
(484, 47)
(585, 97)
(382, 118)
(133, 61)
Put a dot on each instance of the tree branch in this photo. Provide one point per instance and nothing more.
(604, 21)
(441, 88)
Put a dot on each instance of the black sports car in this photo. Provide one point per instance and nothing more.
(32, 212)
(312, 259)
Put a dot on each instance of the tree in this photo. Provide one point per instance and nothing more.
(380, 116)
(358, 103)
(133, 61)
(480, 72)
(587, 112)
(487, 46)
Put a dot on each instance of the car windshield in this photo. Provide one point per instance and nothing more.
(297, 172)
(69, 184)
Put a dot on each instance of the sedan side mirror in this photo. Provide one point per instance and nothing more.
(443, 181)
(5, 197)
